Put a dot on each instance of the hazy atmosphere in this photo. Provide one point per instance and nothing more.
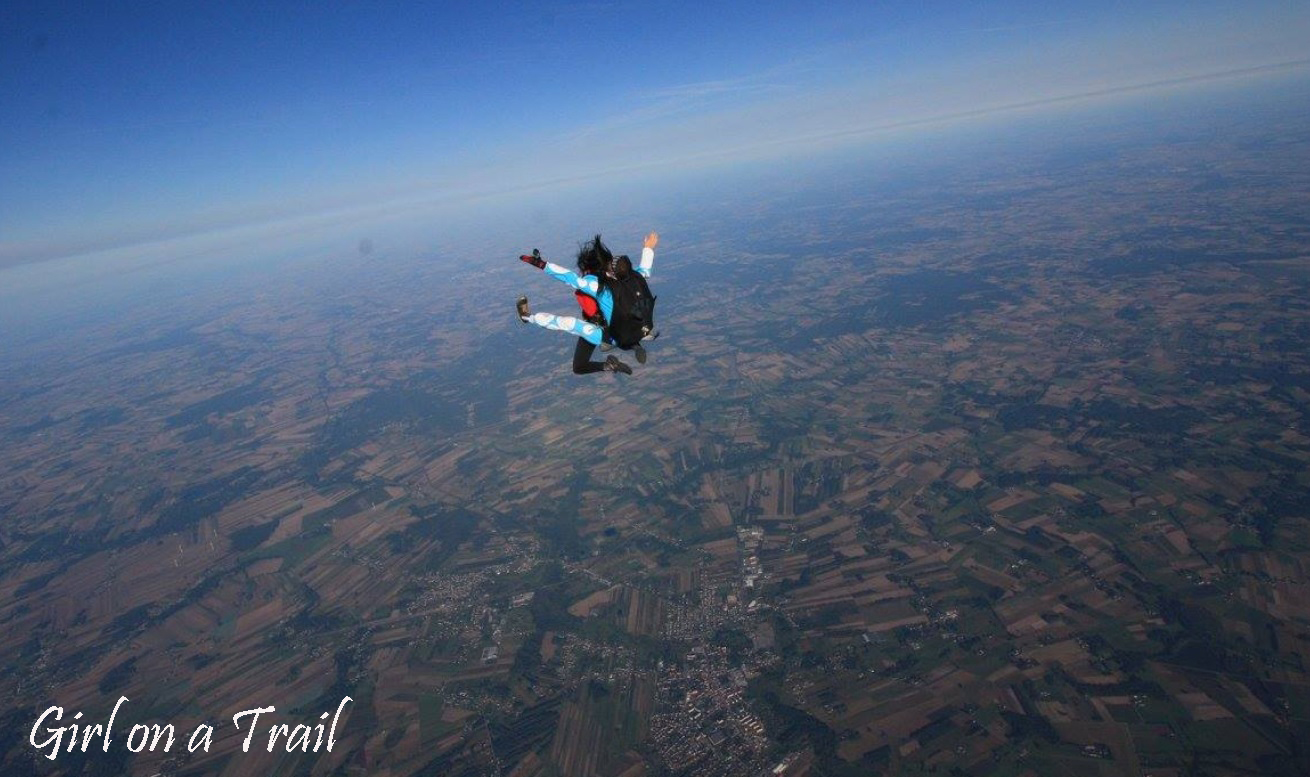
(970, 434)
(227, 123)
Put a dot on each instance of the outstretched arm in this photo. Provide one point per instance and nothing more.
(563, 274)
(584, 283)
(648, 253)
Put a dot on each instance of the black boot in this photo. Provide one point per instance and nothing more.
(613, 364)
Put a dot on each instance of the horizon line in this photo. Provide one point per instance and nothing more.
(295, 221)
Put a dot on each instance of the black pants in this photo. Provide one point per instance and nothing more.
(582, 363)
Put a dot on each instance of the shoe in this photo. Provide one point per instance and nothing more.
(651, 335)
(606, 347)
(522, 306)
(612, 364)
(640, 353)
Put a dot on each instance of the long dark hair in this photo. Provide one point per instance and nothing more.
(594, 259)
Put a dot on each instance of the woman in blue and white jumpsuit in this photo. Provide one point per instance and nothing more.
(593, 261)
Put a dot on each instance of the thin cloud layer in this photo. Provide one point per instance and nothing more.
(777, 101)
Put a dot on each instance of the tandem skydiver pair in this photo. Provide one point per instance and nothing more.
(617, 306)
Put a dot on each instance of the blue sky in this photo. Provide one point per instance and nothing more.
(128, 124)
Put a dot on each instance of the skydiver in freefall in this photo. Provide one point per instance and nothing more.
(593, 284)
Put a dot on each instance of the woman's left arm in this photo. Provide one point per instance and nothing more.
(564, 275)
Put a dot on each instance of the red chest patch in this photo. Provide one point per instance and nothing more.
(587, 303)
